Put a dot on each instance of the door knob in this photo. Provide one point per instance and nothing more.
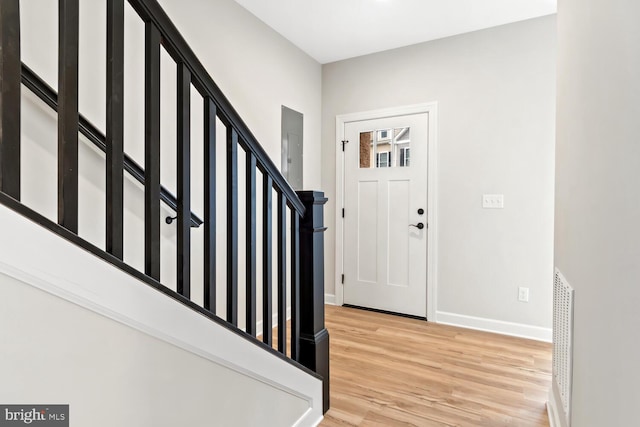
(419, 225)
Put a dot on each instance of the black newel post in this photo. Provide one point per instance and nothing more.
(314, 338)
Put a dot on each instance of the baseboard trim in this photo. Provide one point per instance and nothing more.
(330, 299)
(497, 326)
(552, 414)
(555, 411)
(274, 321)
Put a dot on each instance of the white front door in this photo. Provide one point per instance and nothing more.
(385, 218)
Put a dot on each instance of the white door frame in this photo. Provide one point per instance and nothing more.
(432, 186)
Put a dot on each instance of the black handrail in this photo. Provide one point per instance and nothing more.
(49, 96)
(181, 52)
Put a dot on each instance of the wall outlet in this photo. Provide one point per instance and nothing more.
(523, 294)
(493, 201)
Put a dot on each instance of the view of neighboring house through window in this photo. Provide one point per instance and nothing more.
(382, 160)
(404, 156)
(385, 148)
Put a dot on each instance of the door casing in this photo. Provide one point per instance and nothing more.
(432, 188)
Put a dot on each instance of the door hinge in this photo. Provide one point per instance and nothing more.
(344, 142)
(342, 212)
(343, 279)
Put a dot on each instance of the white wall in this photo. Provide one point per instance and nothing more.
(495, 91)
(54, 351)
(258, 70)
(597, 206)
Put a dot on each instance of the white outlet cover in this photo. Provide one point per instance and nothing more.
(493, 201)
(523, 294)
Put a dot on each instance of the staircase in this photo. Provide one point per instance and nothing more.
(277, 266)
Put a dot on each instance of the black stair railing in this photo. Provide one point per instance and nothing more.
(49, 96)
(309, 340)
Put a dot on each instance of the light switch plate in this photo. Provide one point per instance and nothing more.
(493, 201)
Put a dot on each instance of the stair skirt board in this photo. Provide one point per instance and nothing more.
(65, 270)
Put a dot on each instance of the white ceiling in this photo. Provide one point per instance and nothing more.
(331, 30)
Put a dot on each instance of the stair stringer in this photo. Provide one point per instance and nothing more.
(41, 259)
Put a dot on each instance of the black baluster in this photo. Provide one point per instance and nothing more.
(251, 244)
(152, 152)
(232, 226)
(10, 98)
(68, 114)
(282, 273)
(295, 284)
(267, 260)
(184, 181)
(209, 205)
(115, 130)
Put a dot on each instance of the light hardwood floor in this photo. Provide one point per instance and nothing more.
(393, 371)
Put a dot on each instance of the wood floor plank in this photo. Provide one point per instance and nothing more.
(394, 371)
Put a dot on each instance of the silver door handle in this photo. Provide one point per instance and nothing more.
(419, 225)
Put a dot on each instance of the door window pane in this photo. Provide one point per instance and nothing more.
(366, 149)
(404, 156)
(385, 148)
(402, 146)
